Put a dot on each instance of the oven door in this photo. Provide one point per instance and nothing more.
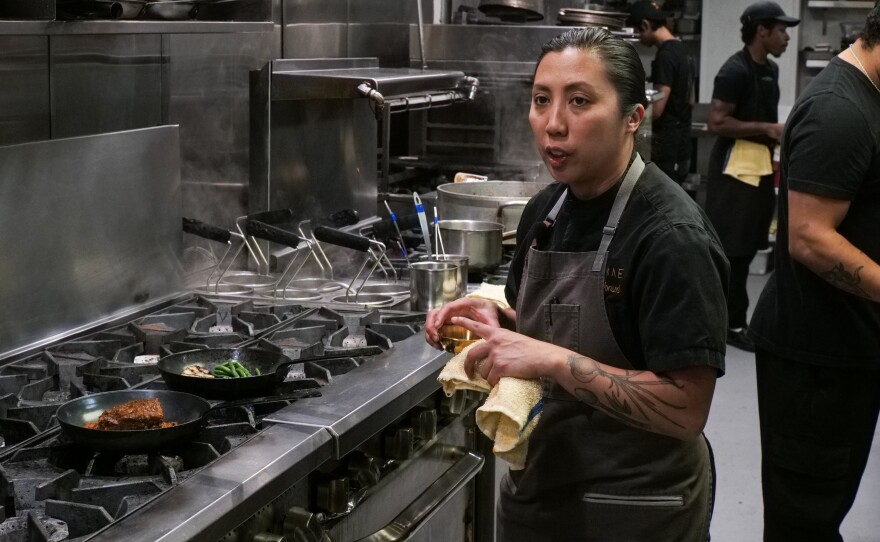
(430, 496)
(441, 512)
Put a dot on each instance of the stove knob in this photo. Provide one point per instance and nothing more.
(333, 495)
(300, 525)
(399, 444)
(364, 470)
(424, 423)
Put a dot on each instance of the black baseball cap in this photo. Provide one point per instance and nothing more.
(646, 10)
(767, 11)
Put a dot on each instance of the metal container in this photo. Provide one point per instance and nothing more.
(492, 201)
(459, 259)
(480, 240)
(514, 10)
(433, 284)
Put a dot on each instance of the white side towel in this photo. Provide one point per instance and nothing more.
(509, 414)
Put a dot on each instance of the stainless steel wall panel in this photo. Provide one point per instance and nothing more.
(206, 92)
(315, 11)
(91, 228)
(314, 28)
(24, 98)
(324, 157)
(310, 40)
(389, 11)
(389, 42)
(105, 83)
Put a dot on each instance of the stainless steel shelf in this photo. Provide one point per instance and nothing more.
(51, 28)
(850, 4)
(291, 82)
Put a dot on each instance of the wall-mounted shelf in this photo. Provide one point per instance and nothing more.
(850, 4)
(816, 64)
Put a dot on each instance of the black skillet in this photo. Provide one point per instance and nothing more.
(189, 411)
(273, 369)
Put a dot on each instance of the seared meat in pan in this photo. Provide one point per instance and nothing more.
(137, 414)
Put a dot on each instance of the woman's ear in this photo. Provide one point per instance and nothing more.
(634, 119)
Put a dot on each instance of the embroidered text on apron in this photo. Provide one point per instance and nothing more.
(589, 477)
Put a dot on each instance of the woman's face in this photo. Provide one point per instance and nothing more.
(581, 133)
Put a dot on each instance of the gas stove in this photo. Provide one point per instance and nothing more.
(53, 490)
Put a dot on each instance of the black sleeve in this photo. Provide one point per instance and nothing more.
(679, 293)
(829, 147)
(731, 82)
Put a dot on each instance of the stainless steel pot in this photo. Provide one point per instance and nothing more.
(491, 201)
(480, 240)
(433, 284)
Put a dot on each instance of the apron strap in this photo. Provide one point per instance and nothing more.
(629, 182)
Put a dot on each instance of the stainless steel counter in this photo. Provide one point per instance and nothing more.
(306, 434)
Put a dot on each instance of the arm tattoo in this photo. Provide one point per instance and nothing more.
(839, 277)
(627, 400)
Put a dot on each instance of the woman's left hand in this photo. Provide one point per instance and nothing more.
(508, 353)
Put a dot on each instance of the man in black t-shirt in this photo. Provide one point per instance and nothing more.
(672, 72)
(817, 323)
(744, 107)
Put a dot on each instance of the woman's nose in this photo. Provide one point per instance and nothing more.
(556, 120)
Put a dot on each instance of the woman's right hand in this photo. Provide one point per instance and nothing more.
(481, 310)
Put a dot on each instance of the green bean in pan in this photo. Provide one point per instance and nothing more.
(232, 369)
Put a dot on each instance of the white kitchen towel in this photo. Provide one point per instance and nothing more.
(509, 414)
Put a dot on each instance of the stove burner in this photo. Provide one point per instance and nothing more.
(53, 490)
(34, 527)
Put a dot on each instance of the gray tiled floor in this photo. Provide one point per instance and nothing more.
(733, 431)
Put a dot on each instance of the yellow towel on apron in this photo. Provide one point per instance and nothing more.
(748, 162)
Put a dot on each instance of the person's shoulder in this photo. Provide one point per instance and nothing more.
(543, 197)
(662, 200)
(736, 64)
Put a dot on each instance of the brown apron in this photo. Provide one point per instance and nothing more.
(589, 477)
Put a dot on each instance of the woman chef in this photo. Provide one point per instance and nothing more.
(619, 287)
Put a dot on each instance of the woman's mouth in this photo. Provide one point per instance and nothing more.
(555, 156)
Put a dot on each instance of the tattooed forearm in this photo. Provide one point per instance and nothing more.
(839, 277)
(625, 397)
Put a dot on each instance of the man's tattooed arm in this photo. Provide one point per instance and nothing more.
(847, 281)
(633, 397)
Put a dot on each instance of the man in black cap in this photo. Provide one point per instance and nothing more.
(672, 72)
(740, 193)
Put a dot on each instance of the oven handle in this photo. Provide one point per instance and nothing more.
(408, 522)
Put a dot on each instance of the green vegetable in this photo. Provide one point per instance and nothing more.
(257, 369)
(232, 369)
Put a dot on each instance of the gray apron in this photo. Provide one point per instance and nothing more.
(589, 477)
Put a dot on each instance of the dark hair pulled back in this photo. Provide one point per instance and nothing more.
(623, 67)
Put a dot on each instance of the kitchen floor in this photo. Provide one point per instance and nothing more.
(734, 434)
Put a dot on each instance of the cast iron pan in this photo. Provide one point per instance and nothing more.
(189, 411)
(273, 369)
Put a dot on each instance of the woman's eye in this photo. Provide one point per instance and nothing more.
(579, 101)
(540, 100)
